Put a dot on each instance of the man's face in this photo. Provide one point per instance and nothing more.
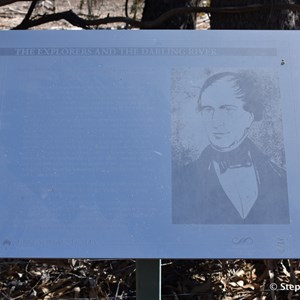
(225, 120)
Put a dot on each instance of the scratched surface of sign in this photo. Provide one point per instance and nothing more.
(149, 144)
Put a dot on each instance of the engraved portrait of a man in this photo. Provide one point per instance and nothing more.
(232, 181)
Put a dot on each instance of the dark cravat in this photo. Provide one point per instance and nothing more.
(236, 158)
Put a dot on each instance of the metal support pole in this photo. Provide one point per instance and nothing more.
(148, 279)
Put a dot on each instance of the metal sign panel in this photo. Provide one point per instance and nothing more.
(152, 144)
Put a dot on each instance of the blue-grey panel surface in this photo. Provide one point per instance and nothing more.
(149, 144)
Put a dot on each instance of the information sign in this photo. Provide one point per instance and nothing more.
(149, 144)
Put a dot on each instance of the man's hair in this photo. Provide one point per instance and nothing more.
(246, 87)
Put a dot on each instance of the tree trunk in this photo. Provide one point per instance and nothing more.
(154, 8)
(265, 19)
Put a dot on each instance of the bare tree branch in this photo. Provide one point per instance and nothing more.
(126, 8)
(29, 12)
(69, 16)
(6, 2)
(75, 20)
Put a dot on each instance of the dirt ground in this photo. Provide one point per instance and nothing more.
(13, 14)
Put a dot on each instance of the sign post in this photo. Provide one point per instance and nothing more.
(148, 279)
